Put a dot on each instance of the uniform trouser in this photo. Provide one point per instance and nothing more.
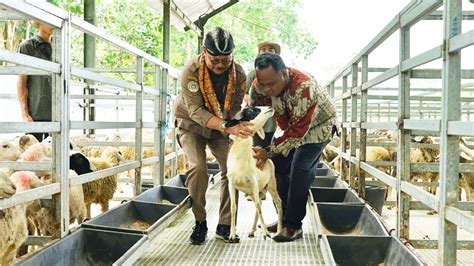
(194, 146)
(295, 174)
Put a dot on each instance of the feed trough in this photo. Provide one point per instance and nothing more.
(90, 247)
(366, 250)
(328, 182)
(344, 219)
(335, 195)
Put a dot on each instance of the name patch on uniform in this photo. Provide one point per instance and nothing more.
(193, 86)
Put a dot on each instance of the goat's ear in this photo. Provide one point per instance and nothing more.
(261, 133)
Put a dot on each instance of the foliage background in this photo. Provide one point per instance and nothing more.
(133, 21)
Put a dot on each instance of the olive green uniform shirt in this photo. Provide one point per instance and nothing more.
(190, 110)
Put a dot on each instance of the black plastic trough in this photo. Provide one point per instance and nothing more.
(91, 247)
(135, 217)
(322, 166)
(164, 194)
(323, 172)
(177, 181)
(342, 219)
(375, 196)
(366, 250)
(335, 195)
(329, 182)
(213, 168)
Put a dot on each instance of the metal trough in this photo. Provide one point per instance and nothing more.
(329, 182)
(366, 250)
(135, 217)
(335, 195)
(91, 247)
(164, 194)
(343, 219)
(177, 181)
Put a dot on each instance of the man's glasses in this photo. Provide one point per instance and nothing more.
(225, 61)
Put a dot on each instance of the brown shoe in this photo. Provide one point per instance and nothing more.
(288, 234)
(272, 228)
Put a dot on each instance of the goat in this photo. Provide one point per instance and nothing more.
(244, 175)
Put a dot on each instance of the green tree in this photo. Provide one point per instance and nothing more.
(252, 22)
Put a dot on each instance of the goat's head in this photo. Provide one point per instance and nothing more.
(258, 116)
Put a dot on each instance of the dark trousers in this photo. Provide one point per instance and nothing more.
(295, 174)
(40, 136)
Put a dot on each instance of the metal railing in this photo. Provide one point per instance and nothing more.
(61, 70)
(449, 126)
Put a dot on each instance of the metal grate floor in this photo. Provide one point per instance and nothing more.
(171, 247)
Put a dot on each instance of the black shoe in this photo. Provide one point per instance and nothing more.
(272, 228)
(223, 232)
(199, 233)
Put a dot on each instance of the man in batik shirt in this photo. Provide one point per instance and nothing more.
(307, 117)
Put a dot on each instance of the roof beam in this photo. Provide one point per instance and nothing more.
(180, 14)
(202, 20)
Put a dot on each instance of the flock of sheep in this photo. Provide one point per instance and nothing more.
(417, 155)
(30, 218)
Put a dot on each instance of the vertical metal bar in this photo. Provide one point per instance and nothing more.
(331, 89)
(175, 162)
(89, 61)
(343, 141)
(378, 115)
(166, 31)
(156, 130)
(363, 118)
(138, 130)
(449, 145)
(353, 142)
(403, 141)
(420, 112)
(60, 113)
(164, 87)
(162, 124)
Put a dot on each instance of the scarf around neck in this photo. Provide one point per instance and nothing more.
(208, 93)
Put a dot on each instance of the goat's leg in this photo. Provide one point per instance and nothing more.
(258, 205)
(254, 226)
(233, 210)
(272, 188)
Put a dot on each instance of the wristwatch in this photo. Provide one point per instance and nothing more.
(222, 126)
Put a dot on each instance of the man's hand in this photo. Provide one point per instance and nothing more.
(261, 156)
(27, 118)
(242, 129)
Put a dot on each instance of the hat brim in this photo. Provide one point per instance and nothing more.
(275, 46)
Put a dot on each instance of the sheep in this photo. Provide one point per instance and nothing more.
(244, 175)
(466, 180)
(25, 141)
(45, 220)
(102, 190)
(38, 152)
(424, 155)
(7, 188)
(9, 152)
(13, 221)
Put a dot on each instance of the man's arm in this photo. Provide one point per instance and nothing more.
(22, 98)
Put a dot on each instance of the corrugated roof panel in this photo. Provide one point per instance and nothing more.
(191, 8)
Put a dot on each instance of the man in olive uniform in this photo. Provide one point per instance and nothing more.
(35, 91)
(213, 86)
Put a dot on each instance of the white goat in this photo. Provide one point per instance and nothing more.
(244, 175)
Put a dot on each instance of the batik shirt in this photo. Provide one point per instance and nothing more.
(303, 111)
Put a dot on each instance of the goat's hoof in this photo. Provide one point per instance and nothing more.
(251, 235)
(233, 240)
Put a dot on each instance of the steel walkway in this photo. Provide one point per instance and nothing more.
(171, 247)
